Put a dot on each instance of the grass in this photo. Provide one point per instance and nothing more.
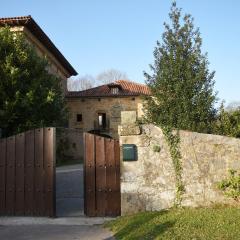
(220, 223)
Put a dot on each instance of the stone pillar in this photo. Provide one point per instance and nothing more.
(129, 124)
(129, 132)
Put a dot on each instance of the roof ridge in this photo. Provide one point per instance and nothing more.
(130, 81)
(107, 84)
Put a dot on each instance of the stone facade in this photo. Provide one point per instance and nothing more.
(55, 67)
(111, 106)
(149, 183)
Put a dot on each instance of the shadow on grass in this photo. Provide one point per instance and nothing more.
(151, 230)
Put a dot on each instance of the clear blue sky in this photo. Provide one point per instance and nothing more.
(97, 35)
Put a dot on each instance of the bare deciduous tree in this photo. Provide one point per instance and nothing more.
(233, 106)
(88, 81)
(111, 75)
(81, 83)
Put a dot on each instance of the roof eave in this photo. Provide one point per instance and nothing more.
(35, 29)
(107, 96)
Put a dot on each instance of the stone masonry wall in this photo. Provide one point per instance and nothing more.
(149, 183)
(55, 66)
(70, 142)
(112, 106)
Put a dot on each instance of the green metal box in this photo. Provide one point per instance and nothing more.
(129, 152)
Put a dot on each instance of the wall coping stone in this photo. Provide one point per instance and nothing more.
(129, 129)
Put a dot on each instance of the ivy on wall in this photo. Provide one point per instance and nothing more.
(173, 140)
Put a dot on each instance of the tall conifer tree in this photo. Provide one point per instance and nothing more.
(181, 84)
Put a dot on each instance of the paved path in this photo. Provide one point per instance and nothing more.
(68, 221)
(41, 228)
(54, 232)
(69, 191)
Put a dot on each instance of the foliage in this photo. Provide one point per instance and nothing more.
(65, 149)
(231, 186)
(173, 141)
(191, 223)
(156, 148)
(30, 97)
(181, 83)
(63, 145)
(227, 123)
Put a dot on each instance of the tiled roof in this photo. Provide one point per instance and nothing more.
(34, 28)
(125, 88)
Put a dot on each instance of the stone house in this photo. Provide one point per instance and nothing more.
(58, 64)
(98, 109)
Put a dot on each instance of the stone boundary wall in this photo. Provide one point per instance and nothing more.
(148, 184)
(70, 142)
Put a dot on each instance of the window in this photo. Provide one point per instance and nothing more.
(114, 90)
(79, 117)
(102, 120)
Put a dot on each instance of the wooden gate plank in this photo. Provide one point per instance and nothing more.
(3, 148)
(100, 176)
(89, 175)
(20, 145)
(110, 177)
(49, 167)
(102, 195)
(39, 206)
(10, 178)
(117, 192)
(29, 173)
(23, 182)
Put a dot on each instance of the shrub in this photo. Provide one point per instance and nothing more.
(231, 185)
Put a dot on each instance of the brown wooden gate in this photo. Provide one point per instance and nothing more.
(101, 176)
(27, 173)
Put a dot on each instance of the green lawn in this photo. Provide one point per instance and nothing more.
(221, 223)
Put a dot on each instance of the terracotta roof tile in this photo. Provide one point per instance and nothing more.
(34, 28)
(125, 88)
(15, 20)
